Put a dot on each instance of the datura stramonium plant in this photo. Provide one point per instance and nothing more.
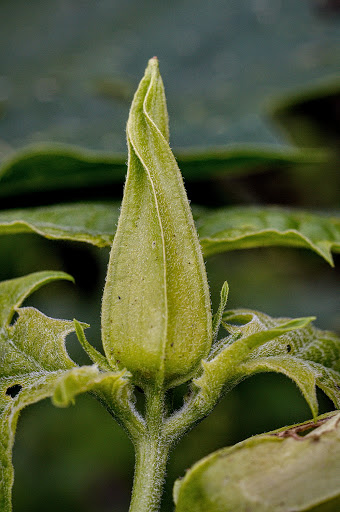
(156, 316)
(158, 332)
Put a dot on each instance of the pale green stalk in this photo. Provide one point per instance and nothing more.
(151, 456)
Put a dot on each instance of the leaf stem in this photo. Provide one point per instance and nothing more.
(151, 457)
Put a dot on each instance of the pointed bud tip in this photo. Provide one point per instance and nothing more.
(153, 61)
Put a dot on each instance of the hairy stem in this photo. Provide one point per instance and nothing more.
(151, 456)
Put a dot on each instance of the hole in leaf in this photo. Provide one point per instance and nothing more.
(14, 390)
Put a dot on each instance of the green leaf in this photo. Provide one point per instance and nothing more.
(62, 386)
(46, 168)
(219, 230)
(156, 317)
(308, 343)
(89, 378)
(35, 365)
(32, 355)
(225, 368)
(93, 223)
(280, 471)
(247, 227)
(35, 343)
(243, 159)
(310, 357)
(14, 291)
(43, 168)
(32, 389)
(258, 343)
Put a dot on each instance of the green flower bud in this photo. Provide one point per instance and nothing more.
(156, 315)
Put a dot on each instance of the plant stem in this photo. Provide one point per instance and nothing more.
(151, 456)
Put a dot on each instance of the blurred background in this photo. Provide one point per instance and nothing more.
(257, 72)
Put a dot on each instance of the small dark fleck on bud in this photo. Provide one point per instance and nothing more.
(289, 348)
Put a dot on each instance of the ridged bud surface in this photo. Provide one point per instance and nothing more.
(156, 316)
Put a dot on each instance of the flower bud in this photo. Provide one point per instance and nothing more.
(156, 315)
